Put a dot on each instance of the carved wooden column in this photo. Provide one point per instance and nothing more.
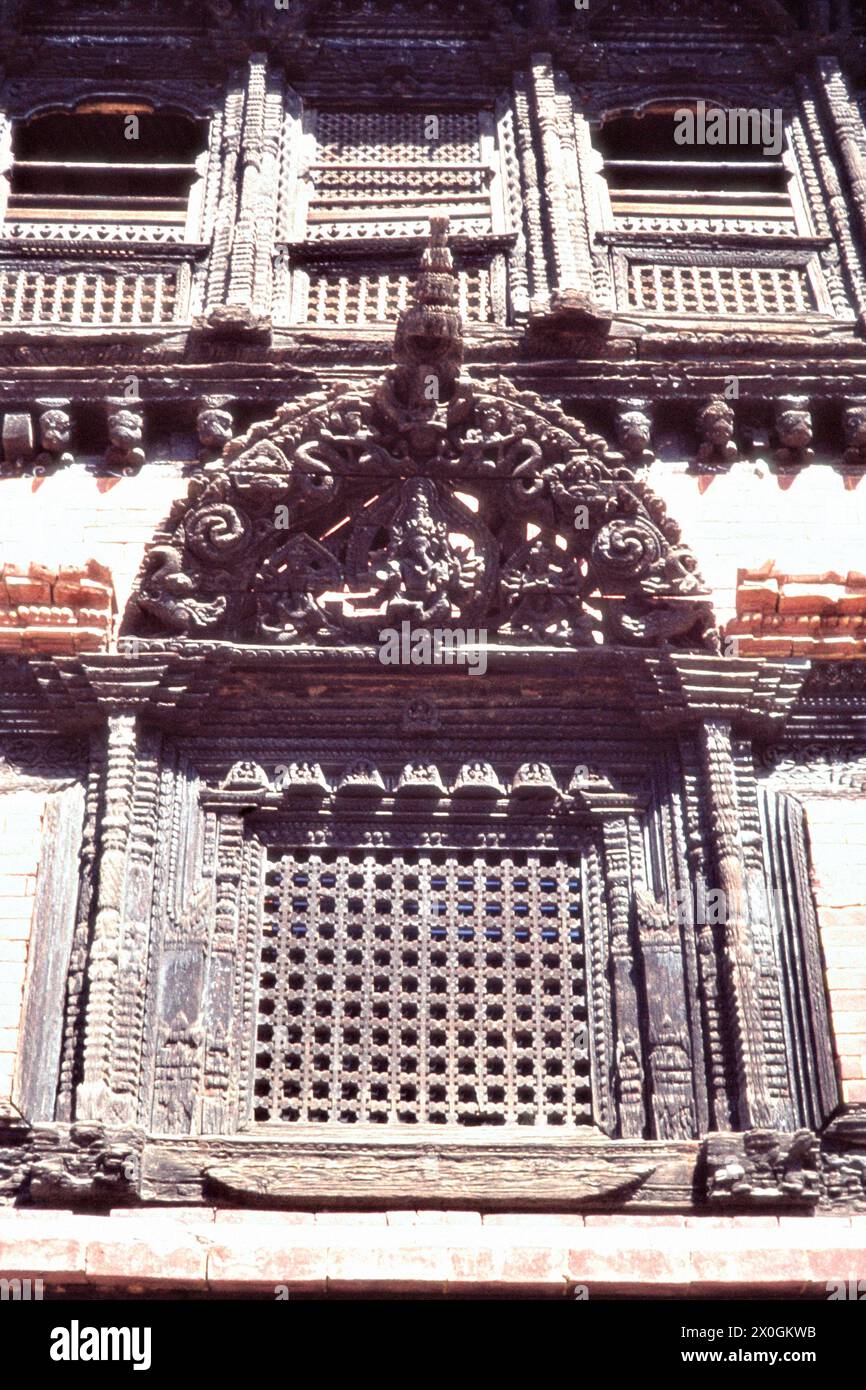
(539, 286)
(743, 1005)
(292, 201)
(117, 963)
(73, 1021)
(96, 1098)
(719, 1114)
(227, 154)
(836, 200)
(629, 1052)
(219, 1062)
(669, 1058)
(252, 243)
(512, 200)
(561, 180)
(847, 124)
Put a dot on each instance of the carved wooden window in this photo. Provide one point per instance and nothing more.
(108, 162)
(423, 986)
(371, 181)
(705, 229)
(657, 185)
(102, 218)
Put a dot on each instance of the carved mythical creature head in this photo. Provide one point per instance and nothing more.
(125, 429)
(794, 428)
(214, 428)
(633, 431)
(429, 338)
(716, 422)
(855, 427)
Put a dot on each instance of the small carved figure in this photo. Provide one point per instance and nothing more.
(125, 435)
(855, 436)
(542, 593)
(214, 426)
(634, 435)
(488, 438)
(422, 572)
(55, 432)
(716, 424)
(794, 435)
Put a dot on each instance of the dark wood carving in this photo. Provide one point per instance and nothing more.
(268, 536)
(336, 933)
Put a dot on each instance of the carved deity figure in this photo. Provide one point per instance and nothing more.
(214, 427)
(634, 436)
(855, 436)
(716, 424)
(794, 435)
(422, 574)
(125, 436)
(55, 434)
(542, 594)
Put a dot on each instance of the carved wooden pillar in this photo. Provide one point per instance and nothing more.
(629, 1078)
(292, 200)
(669, 1058)
(73, 1021)
(96, 1098)
(847, 124)
(836, 199)
(227, 154)
(741, 970)
(219, 1064)
(539, 285)
(512, 200)
(719, 1114)
(561, 180)
(118, 957)
(249, 285)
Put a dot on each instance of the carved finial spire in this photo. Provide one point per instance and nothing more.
(436, 284)
(429, 339)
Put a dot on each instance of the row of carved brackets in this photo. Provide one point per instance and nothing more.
(477, 785)
(789, 441)
(35, 442)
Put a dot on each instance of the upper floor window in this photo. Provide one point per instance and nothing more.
(663, 175)
(704, 213)
(371, 180)
(107, 162)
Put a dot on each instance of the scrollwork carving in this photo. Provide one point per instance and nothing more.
(430, 499)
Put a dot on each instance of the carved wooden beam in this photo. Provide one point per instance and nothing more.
(93, 1165)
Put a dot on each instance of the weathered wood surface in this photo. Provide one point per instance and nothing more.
(510, 1170)
(54, 910)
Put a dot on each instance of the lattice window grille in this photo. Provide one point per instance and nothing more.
(88, 298)
(357, 297)
(380, 174)
(682, 289)
(423, 987)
